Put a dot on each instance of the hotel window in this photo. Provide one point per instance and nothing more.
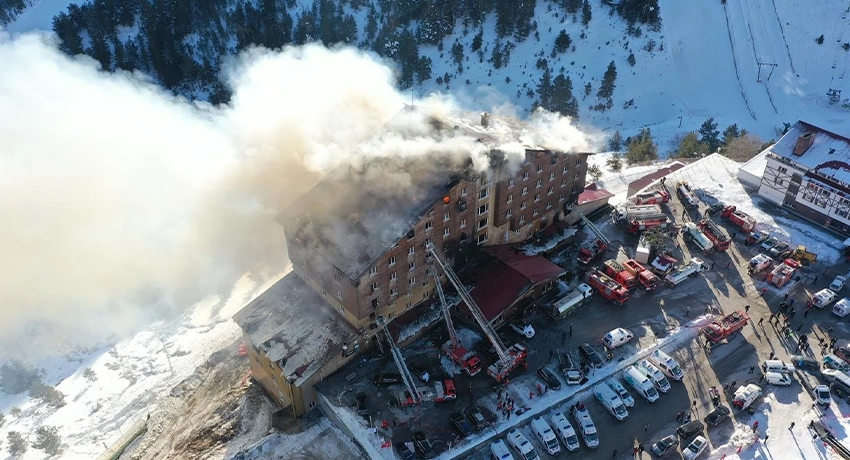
(509, 214)
(463, 223)
(539, 169)
(536, 198)
(565, 169)
(483, 193)
(393, 291)
(431, 213)
(539, 183)
(522, 205)
(375, 286)
(322, 279)
(446, 232)
(337, 279)
(411, 250)
(549, 204)
(575, 177)
(510, 198)
(446, 217)
(562, 198)
(552, 176)
(551, 190)
(483, 209)
(373, 271)
(522, 219)
(525, 175)
(411, 266)
(525, 190)
(482, 223)
(578, 162)
(339, 294)
(411, 281)
(482, 238)
(536, 212)
(392, 261)
(564, 183)
(429, 225)
(510, 183)
(393, 276)
(463, 191)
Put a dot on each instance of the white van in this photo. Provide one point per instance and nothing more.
(499, 451)
(565, 431)
(520, 444)
(617, 337)
(823, 298)
(655, 375)
(834, 362)
(841, 308)
(775, 365)
(585, 425)
(621, 392)
(668, 365)
(585, 289)
(777, 378)
(544, 433)
(641, 383)
(611, 401)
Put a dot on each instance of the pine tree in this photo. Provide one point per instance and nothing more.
(585, 13)
(606, 88)
(544, 88)
(17, 443)
(615, 163)
(572, 6)
(631, 59)
(731, 132)
(595, 172)
(477, 41)
(709, 134)
(642, 148)
(616, 142)
(691, 147)
(562, 42)
(47, 439)
(562, 100)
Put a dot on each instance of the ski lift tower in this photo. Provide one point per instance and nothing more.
(509, 357)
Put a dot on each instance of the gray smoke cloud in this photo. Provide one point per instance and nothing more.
(123, 204)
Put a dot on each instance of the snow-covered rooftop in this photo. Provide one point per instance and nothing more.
(294, 326)
(757, 164)
(828, 154)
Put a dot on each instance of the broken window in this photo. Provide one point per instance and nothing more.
(483, 193)
(411, 266)
(410, 234)
(375, 286)
(429, 225)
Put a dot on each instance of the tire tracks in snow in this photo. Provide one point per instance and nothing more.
(748, 16)
(784, 40)
(735, 63)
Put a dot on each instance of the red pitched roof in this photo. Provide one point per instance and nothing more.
(644, 181)
(499, 283)
(593, 192)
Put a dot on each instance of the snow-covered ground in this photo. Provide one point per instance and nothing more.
(39, 15)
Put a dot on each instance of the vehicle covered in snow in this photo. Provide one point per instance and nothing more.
(663, 264)
(823, 298)
(746, 395)
(641, 383)
(695, 448)
(666, 364)
(759, 263)
(694, 235)
(655, 375)
(611, 401)
(621, 391)
(768, 244)
(565, 432)
(680, 274)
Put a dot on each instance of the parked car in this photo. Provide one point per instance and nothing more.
(769, 243)
(715, 207)
(460, 424)
(362, 407)
(549, 378)
(690, 429)
(756, 238)
(805, 363)
(719, 414)
(838, 283)
(419, 371)
(590, 355)
(695, 448)
(403, 451)
(424, 449)
(822, 395)
(387, 379)
(665, 445)
(476, 418)
(781, 250)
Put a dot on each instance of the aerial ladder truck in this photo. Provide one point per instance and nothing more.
(464, 358)
(509, 357)
(412, 395)
(589, 250)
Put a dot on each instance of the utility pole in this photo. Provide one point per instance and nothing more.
(168, 358)
(772, 67)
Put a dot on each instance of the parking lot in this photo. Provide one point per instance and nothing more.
(649, 316)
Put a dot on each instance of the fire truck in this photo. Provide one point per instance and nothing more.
(715, 234)
(727, 326)
(509, 358)
(607, 287)
(620, 274)
(464, 358)
(443, 390)
(693, 234)
(637, 218)
(741, 220)
(651, 197)
(639, 225)
(782, 273)
(643, 275)
(591, 249)
(686, 195)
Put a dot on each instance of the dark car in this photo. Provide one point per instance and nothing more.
(387, 379)
(420, 371)
(590, 356)
(716, 207)
(690, 429)
(756, 238)
(805, 363)
(362, 407)
(423, 445)
(403, 451)
(549, 378)
(460, 424)
(665, 445)
(476, 418)
(719, 414)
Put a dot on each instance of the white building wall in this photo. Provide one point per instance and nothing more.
(776, 180)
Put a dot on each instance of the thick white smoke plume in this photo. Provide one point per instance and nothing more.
(120, 202)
